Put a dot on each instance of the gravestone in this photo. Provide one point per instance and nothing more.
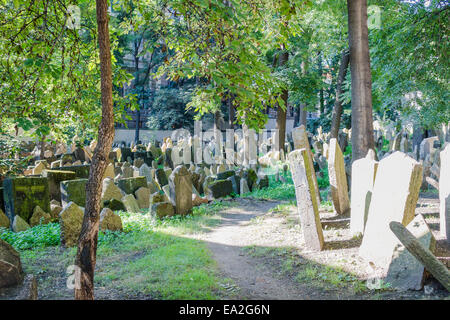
(300, 137)
(19, 224)
(144, 171)
(219, 188)
(55, 177)
(109, 172)
(405, 271)
(363, 178)
(130, 185)
(73, 191)
(308, 207)
(338, 178)
(180, 185)
(143, 197)
(22, 195)
(70, 221)
(444, 192)
(110, 191)
(11, 272)
(163, 209)
(244, 186)
(426, 147)
(130, 203)
(81, 171)
(110, 221)
(161, 177)
(39, 217)
(4, 220)
(394, 198)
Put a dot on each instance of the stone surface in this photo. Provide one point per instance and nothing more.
(110, 191)
(144, 171)
(163, 209)
(143, 197)
(444, 192)
(10, 266)
(244, 186)
(338, 178)
(4, 220)
(161, 177)
(363, 178)
(405, 271)
(73, 191)
(70, 221)
(180, 185)
(109, 172)
(55, 209)
(130, 185)
(219, 189)
(55, 177)
(394, 198)
(19, 224)
(110, 221)
(81, 171)
(22, 195)
(39, 217)
(114, 205)
(130, 203)
(302, 175)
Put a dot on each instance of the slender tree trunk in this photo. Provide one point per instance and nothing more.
(136, 82)
(319, 66)
(281, 113)
(297, 117)
(337, 111)
(42, 149)
(87, 243)
(302, 114)
(362, 121)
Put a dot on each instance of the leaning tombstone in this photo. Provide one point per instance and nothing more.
(394, 198)
(308, 207)
(444, 192)
(338, 178)
(180, 185)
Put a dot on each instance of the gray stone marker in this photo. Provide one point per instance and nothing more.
(363, 178)
(73, 190)
(444, 192)
(303, 176)
(180, 185)
(405, 272)
(338, 178)
(70, 220)
(394, 198)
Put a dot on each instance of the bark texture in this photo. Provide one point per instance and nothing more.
(362, 121)
(281, 113)
(87, 243)
(337, 111)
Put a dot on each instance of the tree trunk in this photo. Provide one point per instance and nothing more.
(297, 117)
(42, 148)
(319, 66)
(281, 113)
(302, 114)
(136, 83)
(337, 111)
(87, 243)
(362, 122)
(422, 254)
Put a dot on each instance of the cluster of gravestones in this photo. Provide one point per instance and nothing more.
(381, 192)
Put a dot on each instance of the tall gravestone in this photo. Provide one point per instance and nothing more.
(300, 137)
(338, 178)
(363, 178)
(55, 177)
(305, 192)
(22, 195)
(444, 192)
(394, 198)
(180, 186)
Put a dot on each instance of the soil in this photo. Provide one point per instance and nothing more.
(252, 224)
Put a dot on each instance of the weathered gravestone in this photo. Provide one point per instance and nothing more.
(143, 197)
(394, 198)
(130, 203)
(426, 147)
(22, 195)
(10, 266)
(363, 178)
(55, 177)
(144, 171)
(161, 177)
(4, 220)
(300, 137)
(405, 272)
(219, 188)
(70, 221)
(39, 217)
(308, 207)
(109, 172)
(180, 185)
(110, 221)
(81, 171)
(73, 191)
(338, 178)
(444, 192)
(130, 185)
(110, 191)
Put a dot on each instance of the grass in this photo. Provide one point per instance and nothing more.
(277, 190)
(152, 258)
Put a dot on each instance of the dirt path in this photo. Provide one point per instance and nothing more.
(226, 243)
